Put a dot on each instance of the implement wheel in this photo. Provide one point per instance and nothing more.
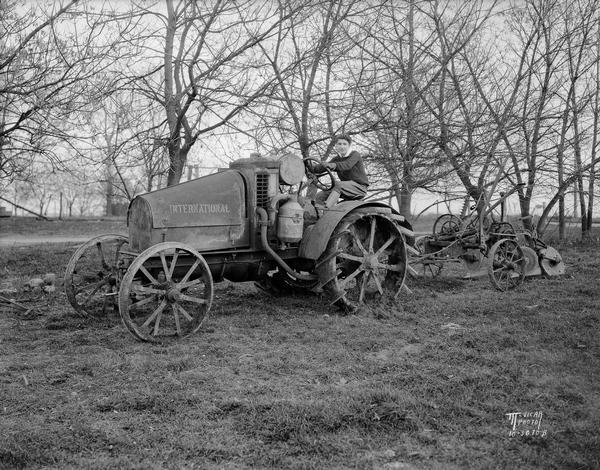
(507, 264)
(166, 292)
(446, 224)
(93, 274)
(365, 258)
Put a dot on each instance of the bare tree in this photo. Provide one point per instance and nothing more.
(52, 55)
(318, 80)
(554, 126)
(209, 69)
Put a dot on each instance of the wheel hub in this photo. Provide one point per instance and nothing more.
(370, 262)
(173, 294)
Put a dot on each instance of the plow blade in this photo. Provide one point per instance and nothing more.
(532, 265)
(551, 262)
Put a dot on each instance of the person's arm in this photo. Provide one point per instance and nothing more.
(348, 163)
(320, 167)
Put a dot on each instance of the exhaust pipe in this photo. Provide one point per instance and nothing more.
(264, 222)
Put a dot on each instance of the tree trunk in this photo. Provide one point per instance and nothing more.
(176, 162)
(177, 158)
(405, 202)
(561, 217)
(110, 190)
(410, 96)
(590, 208)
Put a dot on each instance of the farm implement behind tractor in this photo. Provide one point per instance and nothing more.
(480, 240)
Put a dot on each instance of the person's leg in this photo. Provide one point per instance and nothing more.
(322, 197)
(311, 191)
(352, 190)
(333, 197)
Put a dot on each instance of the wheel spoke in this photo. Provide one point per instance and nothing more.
(148, 275)
(385, 245)
(157, 323)
(358, 242)
(176, 316)
(189, 298)
(142, 302)
(377, 282)
(166, 269)
(173, 264)
(148, 290)
(351, 257)
(190, 272)
(185, 312)
(92, 294)
(372, 235)
(348, 279)
(412, 271)
(156, 312)
(101, 254)
(363, 286)
(397, 268)
(189, 284)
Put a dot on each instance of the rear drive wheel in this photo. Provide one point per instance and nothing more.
(365, 258)
(166, 292)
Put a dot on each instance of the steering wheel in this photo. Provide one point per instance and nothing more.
(315, 176)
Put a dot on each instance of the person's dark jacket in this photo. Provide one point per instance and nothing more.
(351, 168)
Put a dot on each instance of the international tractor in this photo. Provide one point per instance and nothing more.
(243, 223)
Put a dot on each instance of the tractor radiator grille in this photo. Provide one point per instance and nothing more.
(262, 190)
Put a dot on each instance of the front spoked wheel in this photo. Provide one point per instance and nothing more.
(166, 293)
(507, 265)
(365, 259)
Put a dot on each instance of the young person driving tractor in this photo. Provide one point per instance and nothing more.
(350, 169)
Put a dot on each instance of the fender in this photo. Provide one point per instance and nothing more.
(317, 236)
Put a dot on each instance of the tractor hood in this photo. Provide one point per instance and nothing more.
(216, 199)
(208, 213)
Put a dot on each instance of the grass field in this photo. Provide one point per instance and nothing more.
(285, 382)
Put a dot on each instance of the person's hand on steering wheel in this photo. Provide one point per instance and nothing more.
(316, 170)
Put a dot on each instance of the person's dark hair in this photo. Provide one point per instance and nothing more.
(345, 137)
